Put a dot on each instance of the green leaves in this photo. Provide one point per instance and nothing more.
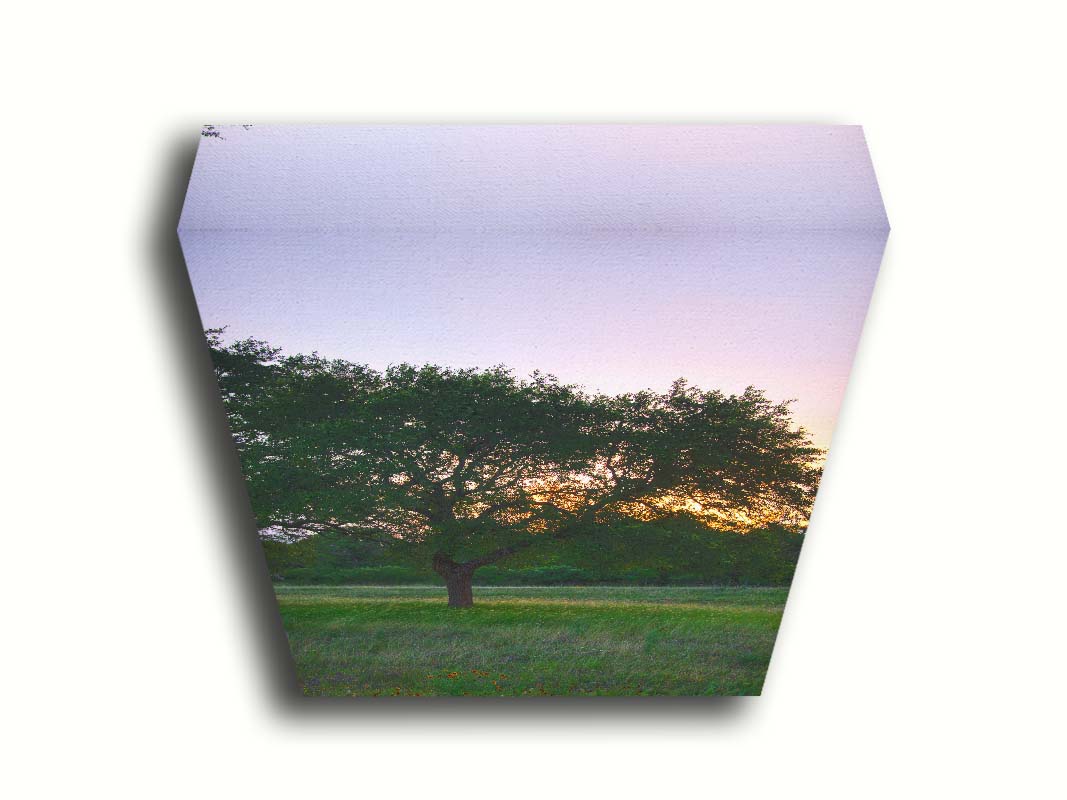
(471, 463)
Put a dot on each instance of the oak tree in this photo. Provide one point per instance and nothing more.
(465, 467)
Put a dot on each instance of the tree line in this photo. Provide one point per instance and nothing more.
(674, 553)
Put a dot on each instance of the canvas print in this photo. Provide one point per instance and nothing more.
(532, 409)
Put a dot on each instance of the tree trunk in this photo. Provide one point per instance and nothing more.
(457, 579)
(460, 591)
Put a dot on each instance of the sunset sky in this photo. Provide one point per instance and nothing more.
(616, 257)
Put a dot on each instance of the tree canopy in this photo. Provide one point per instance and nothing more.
(464, 467)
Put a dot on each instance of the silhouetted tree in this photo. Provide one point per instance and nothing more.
(465, 467)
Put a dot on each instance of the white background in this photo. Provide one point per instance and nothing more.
(922, 649)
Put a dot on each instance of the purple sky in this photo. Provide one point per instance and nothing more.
(618, 257)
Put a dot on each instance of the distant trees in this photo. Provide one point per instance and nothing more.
(674, 551)
(462, 468)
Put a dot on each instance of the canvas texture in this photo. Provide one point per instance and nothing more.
(529, 410)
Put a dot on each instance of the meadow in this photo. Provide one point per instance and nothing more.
(566, 640)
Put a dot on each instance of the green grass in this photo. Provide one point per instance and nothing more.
(603, 640)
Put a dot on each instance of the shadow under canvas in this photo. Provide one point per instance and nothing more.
(191, 358)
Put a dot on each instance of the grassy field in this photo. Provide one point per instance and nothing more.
(404, 640)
